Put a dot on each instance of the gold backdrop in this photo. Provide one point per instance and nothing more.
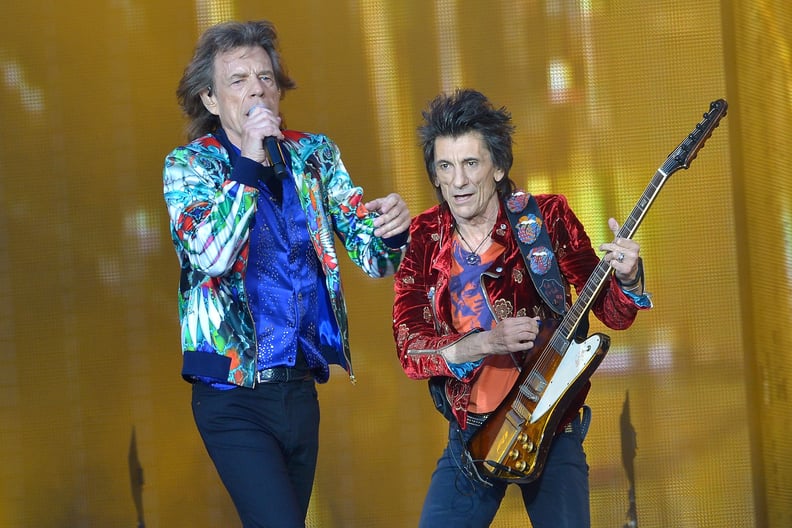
(95, 423)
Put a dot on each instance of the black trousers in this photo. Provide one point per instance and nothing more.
(264, 444)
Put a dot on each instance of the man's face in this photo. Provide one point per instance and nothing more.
(243, 78)
(466, 176)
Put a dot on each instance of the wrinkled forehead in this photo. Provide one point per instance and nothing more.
(242, 59)
(469, 145)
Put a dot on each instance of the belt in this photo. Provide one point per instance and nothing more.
(282, 375)
(476, 419)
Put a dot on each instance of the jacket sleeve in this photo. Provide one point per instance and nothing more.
(420, 336)
(352, 222)
(209, 213)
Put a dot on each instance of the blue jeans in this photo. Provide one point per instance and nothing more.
(264, 444)
(559, 498)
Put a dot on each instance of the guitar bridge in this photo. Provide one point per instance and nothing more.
(534, 386)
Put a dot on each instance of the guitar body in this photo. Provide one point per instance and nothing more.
(512, 444)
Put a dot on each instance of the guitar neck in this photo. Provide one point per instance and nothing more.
(630, 226)
(568, 326)
(680, 158)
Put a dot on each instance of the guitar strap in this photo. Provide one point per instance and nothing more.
(534, 242)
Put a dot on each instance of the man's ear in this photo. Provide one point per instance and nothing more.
(499, 174)
(209, 100)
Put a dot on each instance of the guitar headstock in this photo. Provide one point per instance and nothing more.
(686, 152)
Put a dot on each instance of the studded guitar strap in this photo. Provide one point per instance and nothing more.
(536, 248)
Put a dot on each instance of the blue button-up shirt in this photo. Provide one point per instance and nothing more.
(284, 282)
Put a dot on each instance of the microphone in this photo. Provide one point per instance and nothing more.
(272, 145)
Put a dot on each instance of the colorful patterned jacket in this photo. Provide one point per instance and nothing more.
(422, 320)
(210, 217)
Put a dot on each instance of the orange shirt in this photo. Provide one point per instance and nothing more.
(470, 310)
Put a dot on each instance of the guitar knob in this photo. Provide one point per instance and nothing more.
(522, 438)
(528, 446)
(520, 465)
(513, 454)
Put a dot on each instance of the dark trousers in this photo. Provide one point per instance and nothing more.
(559, 498)
(264, 443)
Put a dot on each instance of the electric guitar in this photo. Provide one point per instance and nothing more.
(513, 442)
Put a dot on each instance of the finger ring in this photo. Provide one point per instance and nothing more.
(621, 257)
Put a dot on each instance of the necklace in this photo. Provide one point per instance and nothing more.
(473, 258)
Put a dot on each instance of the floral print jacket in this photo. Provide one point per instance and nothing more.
(210, 217)
(422, 321)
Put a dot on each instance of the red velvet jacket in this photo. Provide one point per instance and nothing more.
(422, 322)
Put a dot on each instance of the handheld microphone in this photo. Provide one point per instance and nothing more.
(272, 145)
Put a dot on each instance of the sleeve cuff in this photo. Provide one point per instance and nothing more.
(251, 173)
(462, 370)
(641, 300)
(397, 241)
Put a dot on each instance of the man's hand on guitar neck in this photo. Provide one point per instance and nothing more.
(623, 256)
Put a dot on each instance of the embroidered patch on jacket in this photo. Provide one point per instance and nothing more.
(427, 314)
(517, 275)
(402, 335)
(502, 309)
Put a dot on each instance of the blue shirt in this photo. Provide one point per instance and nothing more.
(284, 282)
(285, 285)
